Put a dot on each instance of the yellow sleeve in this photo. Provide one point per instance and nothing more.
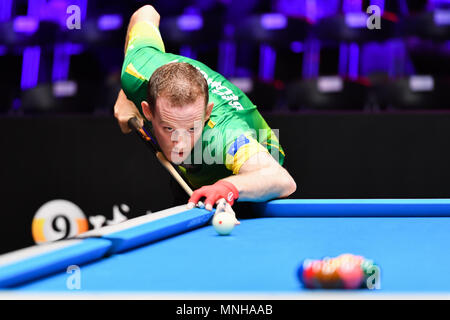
(242, 149)
(144, 34)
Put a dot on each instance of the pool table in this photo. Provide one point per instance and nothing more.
(178, 251)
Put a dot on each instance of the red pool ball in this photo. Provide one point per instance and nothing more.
(307, 276)
(351, 275)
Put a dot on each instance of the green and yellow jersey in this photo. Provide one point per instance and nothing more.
(235, 131)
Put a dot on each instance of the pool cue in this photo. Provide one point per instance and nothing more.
(147, 138)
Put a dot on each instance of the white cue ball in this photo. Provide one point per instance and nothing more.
(223, 223)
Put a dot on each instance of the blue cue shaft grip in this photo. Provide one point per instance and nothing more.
(133, 123)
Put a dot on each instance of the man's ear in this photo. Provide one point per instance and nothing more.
(209, 108)
(146, 110)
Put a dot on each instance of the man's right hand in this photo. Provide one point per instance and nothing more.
(124, 110)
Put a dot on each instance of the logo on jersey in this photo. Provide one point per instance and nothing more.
(239, 142)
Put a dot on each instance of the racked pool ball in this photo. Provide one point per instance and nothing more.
(369, 269)
(351, 274)
(329, 276)
(305, 274)
(351, 258)
(346, 271)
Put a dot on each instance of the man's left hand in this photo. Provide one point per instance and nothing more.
(213, 193)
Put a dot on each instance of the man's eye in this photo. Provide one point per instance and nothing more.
(191, 129)
(170, 129)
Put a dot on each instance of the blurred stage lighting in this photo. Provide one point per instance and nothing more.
(356, 19)
(421, 83)
(273, 21)
(5, 9)
(62, 89)
(24, 24)
(442, 17)
(330, 84)
(30, 67)
(245, 84)
(110, 22)
(296, 46)
(190, 22)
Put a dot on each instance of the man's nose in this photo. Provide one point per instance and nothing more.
(180, 138)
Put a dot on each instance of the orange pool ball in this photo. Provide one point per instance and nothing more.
(329, 276)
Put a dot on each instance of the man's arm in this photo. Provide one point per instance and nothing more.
(260, 178)
(145, 13)
(125, 109)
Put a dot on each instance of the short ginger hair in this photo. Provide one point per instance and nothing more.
(179, 82)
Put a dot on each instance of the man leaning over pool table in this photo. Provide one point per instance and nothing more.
(202, 122)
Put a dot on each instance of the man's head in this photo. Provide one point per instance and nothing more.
(178, 107)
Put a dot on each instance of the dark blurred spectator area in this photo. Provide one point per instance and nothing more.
(286, 55)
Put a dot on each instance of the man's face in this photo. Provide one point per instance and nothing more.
(177, 129)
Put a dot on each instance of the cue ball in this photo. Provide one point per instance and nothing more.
(223, 223)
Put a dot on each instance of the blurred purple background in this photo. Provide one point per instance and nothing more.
(287, 55)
